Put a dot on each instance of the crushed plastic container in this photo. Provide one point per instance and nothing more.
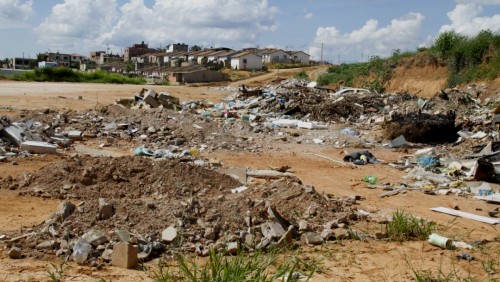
(370, 179)
(81, 251)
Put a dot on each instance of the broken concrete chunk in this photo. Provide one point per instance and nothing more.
(38, 147)
(327, 234)
(65, 209)
(47, 245)
(124, 255)
(210, 234)
(105, 209)
(272, 230)
(169, 234)
(14, 133)
(75, 135)
(341, 233)
(399, 142)
(312, 238)
(106, 255)
(95, 237)
(150, 99)
(287, 238)
(303, 225)
(15, 252)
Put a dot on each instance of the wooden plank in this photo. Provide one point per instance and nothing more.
(392, 193)
(267, 174)
(467, 215)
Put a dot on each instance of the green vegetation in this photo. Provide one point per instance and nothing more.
(57, 271)
(302, 75)
(60, 74)
(283, 66)
(376, 72)
(469, 58)
(405, 226)
(242, 267)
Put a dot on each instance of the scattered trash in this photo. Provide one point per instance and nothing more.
(361, 158)
(467, 215)
(440, 241)
(370, 179)
(465, 256)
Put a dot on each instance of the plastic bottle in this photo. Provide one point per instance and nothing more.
(81, 251)
(370, 179)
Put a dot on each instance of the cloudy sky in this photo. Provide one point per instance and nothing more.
(348, 30)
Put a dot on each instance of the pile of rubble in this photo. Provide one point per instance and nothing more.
(171, 206)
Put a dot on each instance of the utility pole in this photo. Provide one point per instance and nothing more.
(321, 52)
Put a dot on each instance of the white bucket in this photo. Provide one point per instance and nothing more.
(440, 241)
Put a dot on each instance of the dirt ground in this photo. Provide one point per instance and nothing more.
(344, 261)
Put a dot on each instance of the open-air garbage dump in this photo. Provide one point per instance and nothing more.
(138, 178)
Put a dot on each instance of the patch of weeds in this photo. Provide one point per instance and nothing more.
(405, 227)
(490, 266)
(427, 275)
(302, 75)
(258, 266)
(57, 272)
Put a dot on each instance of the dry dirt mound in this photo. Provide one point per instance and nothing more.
(147, 196)
(423, 75)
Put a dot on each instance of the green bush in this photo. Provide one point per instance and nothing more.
(469, 59)
(63, 74)
(302, 75)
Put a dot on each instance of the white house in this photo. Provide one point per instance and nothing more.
(246, 61)
(270, 56)
(299, 57)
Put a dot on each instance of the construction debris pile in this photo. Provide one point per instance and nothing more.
(166, 206)
(142, 208)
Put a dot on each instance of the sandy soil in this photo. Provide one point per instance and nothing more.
(347, 261)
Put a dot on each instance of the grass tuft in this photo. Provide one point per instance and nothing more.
(405, 227)
(242, 267)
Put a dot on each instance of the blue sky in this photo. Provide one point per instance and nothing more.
(349, 31)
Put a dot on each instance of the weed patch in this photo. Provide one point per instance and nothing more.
(405, 227)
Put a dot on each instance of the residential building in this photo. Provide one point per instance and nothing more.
(246, 61)
(299, 57)
(172, 57)
(45, 64)
(136, 51)
(21, 63)
(195, 74)
(95, 56)
(177, 47)
(271, 56)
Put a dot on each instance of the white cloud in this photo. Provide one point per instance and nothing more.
(205, 22)
(370, 40)
(15, 9)
(14, 12)
(78, 23)
(466, 17)
(308, 16)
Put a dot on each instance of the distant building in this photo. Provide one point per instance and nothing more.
(271, 56)
(21, 63)
(136, 51)
(299, 57)
(65, 60)
(96, 55)
(246, 61)
(177, 47)
(47, 64)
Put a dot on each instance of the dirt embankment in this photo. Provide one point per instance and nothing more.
(423, 75)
